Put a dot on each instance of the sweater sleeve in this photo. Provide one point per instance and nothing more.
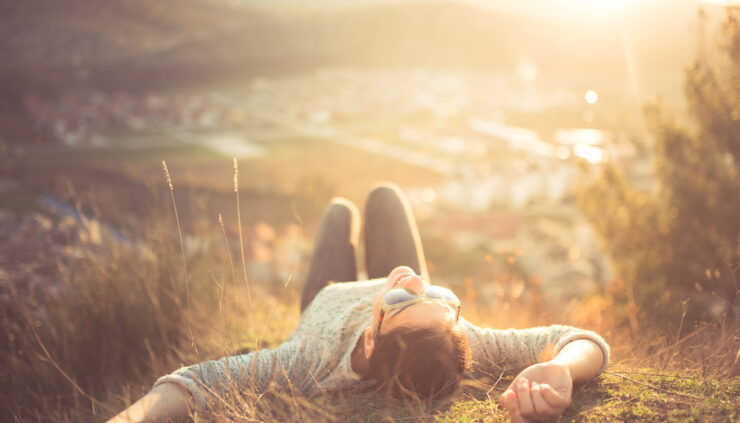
(495, 351)
(255, 371)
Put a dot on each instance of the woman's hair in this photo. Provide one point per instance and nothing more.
(426, 363)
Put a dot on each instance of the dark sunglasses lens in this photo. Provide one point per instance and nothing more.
(397, 296)
(440, 293)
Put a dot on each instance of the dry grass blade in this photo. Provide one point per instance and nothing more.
(228, 251)
(182, 250)
(666, 391)
(241, 244)
(65, 375)
(274, 310)
(488, 393)
(626, 372)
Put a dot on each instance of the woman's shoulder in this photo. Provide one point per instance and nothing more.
(339, 310)
(355, 288)
(341, 295)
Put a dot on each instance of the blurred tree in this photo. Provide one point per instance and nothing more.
(683, 241)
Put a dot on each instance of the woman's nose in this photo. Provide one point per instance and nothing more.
(412, 283)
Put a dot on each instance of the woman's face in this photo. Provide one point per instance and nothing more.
(422, 314)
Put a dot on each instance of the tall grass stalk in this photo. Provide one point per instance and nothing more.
(294, 264)
(222, 312)
(274, 310)
(64, 374)
(231, 266)
(228, 251)
(684, 310)
(241, 244)
(182, 250)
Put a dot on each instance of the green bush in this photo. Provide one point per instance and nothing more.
(683, 242)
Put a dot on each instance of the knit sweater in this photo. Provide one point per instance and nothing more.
(317, 356)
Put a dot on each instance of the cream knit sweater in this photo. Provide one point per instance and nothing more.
(316, 357)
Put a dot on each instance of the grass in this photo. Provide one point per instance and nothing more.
(670, 396)
(645, 396)
(92, 344)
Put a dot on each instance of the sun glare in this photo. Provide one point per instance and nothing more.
(605, 4)
(590, 153)
(591, 97)
(722, 2)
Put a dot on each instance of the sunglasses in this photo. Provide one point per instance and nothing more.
(398, 298)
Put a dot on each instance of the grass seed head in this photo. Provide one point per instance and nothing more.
(236, 175)
(167, 175)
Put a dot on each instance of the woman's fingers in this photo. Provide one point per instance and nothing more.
(509, 401)
(527, 401)
(526, 408)
(536, 401)
(553, 397)
(541, 407)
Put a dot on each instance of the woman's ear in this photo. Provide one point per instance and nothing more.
(368, 342)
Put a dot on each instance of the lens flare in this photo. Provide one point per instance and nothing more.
(591, 97)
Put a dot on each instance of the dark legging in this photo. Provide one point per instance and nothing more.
(391, 240)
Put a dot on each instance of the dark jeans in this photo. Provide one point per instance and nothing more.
(391, 240)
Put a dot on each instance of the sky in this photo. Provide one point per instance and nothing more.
(596, 11)
(522, 6)
(722, 2)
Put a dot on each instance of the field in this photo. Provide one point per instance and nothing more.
(298, 170)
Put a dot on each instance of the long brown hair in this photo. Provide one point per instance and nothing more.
(426, 363)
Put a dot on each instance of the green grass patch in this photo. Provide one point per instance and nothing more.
(655, 395)
(145, 157)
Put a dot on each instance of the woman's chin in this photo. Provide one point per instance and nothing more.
(397, 274)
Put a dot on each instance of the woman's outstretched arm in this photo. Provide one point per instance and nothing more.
(497, 350)
(167, 402)
(544, 390)
(583, 358)
(192, 387)
(552, 357)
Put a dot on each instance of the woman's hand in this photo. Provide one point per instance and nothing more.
(540, 392)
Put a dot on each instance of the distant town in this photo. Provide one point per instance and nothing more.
(504, 184)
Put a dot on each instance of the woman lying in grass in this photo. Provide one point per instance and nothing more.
(396, 332)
